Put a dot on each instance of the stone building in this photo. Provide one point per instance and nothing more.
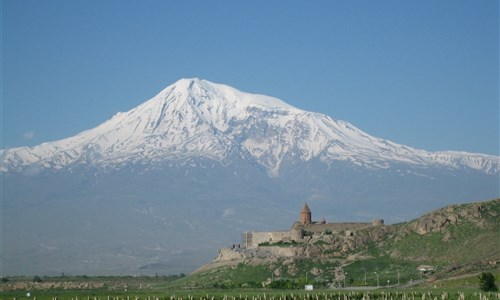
(304, 228)
(305, 215)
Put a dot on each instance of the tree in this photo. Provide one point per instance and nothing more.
(487, 282)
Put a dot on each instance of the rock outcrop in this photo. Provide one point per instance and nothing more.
(346, 247)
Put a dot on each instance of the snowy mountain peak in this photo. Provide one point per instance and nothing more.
(198, 118)
(226, 95)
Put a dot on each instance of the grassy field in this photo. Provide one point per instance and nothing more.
(157, 288)
(417, 294)
(387, 271)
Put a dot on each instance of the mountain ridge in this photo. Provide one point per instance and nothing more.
(160, 187)
(198, 118)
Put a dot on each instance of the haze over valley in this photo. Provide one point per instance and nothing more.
(159, 188)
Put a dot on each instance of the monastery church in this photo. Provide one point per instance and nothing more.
(303, 230)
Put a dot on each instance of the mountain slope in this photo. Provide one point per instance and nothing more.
(197, 118)
(159, 188)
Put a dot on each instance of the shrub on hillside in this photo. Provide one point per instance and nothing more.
(487, 282)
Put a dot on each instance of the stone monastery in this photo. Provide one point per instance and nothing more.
(303, 230)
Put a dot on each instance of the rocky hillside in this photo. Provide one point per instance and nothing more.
(453, 240)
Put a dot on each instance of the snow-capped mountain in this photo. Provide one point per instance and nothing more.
(159, 188)
(198, 118)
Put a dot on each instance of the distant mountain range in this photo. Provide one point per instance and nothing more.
(158, 188)
(197, 118)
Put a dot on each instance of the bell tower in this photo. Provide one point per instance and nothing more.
(305, 215)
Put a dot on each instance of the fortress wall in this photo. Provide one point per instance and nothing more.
(254, 238)
(260, 237)
(277, 236)
(335, 227)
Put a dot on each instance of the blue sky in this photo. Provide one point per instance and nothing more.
(421, 73)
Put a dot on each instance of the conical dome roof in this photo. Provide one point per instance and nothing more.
(305, 209)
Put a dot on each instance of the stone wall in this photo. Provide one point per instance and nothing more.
(254, 238)
(335, 227)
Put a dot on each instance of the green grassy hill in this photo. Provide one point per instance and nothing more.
(455, 240)
(456, 234)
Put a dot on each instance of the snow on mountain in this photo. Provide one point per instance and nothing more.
(198, 118)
